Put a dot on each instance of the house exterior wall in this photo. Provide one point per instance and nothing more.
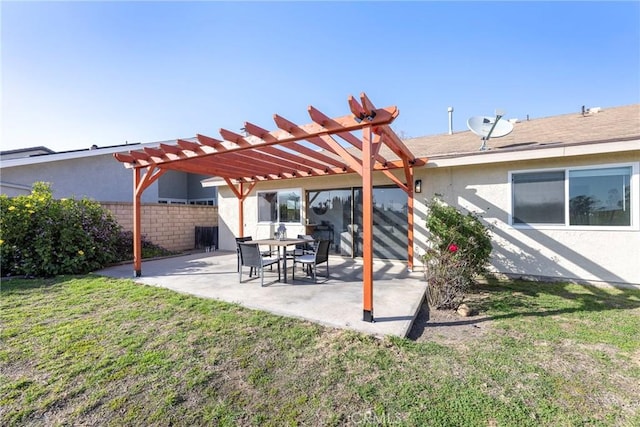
(173, 186)
(96, 177)
(195, 190)
(102, 178)
(228, 206)
(595, 255)
(180, 186)
(170, 226)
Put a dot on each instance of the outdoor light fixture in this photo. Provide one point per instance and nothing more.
(418, 186)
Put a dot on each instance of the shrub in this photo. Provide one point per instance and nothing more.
(124, 247)
(459, 250)
(41, 236)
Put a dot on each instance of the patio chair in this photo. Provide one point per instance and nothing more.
(303, 248)
(248, 239)
(238, 241)
(310, 246)
(251, 257)
(319, 256)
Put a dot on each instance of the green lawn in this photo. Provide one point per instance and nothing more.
(92, 350)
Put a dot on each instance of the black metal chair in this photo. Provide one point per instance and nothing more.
(310, 246)
(312, 260)
(268, 253)
(303, 248)
(251, 257)
(238, 241)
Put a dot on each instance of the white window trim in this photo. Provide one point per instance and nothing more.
(279, 190)
(635, 202)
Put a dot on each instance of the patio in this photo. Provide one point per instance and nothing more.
(260, 156)
(336, 302)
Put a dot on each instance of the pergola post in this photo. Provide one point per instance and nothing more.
(140, 183)
(410, 200)
(137, 225)
(367, 225)
(241, 213)
(241, 193)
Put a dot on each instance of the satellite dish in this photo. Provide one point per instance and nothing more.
(481, 126)
(488, 127)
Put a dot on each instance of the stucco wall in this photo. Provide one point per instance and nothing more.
(170, 226)
(228, 206)
(580, 254)
(174, 186)
(97, 177)
(195, 190)
(589, 255)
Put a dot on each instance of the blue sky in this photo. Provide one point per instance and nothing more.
(81, 73)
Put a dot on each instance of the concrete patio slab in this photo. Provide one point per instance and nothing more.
(336, 302)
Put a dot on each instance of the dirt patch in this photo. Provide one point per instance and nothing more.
(448, 327)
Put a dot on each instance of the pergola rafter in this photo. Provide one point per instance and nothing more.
(326, 146)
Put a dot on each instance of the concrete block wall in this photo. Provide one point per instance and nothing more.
(170, 226)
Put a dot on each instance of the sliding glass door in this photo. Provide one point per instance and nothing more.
(389, 222)
(329, 215)
(337, 215)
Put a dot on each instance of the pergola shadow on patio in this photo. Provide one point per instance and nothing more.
(334, 302)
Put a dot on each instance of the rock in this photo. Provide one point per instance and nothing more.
(464, 310)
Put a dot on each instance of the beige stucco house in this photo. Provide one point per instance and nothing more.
(561, 195)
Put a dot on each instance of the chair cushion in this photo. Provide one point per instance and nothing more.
(306, 258)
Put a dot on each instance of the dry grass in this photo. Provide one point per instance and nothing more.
(91, 350)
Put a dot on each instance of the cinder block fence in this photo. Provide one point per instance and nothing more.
(170, 226)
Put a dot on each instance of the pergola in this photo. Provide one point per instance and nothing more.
(325, 147)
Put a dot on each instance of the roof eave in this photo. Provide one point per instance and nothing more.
(537, 152)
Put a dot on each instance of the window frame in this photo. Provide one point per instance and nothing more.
(278, 191)
(634, 203)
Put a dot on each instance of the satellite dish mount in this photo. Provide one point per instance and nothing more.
(486, 127)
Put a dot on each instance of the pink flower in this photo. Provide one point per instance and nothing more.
(453, 248)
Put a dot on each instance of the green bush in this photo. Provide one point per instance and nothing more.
(124, 247)
(459, 250)
(41, 236)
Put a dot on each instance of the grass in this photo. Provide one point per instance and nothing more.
(93, 350)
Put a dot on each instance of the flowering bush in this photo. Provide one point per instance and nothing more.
(41, 236)
(459, 250)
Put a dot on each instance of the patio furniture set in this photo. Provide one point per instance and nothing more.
(307, 252)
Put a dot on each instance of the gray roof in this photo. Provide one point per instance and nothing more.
(606, 125)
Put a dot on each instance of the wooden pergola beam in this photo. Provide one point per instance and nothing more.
(284, 153)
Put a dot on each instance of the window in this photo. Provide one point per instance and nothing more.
(202, 202)
(279, 206)
(600, 196)
(538, 197)
(207, 202)
(573, 197)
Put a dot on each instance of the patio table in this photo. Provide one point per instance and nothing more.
(281, 244)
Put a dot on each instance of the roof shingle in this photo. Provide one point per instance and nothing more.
(609, 124)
